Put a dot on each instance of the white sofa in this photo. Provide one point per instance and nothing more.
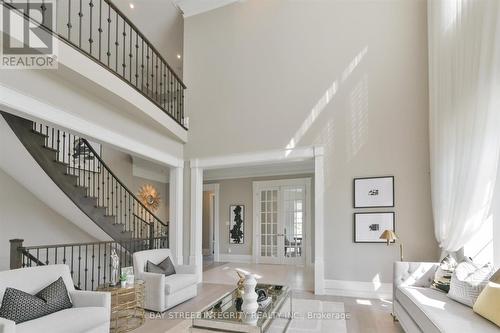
(164, 292)
(90, 312)
(422, 309)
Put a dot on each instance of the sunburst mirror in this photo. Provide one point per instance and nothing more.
(150, 197)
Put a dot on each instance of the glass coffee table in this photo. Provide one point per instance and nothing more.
(222, 315)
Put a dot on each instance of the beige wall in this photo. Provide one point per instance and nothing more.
(348, 75)
(162, 23)
(121, 165)
(24, 216)
(240, 191)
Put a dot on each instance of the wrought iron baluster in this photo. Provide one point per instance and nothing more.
(116, 43)
(69, 25)
(80, 14)
(100, 28)
(108, 54)
(124, 33)
(91, 41)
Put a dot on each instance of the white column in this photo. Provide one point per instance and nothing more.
(196, 255)
(319, 192)
(175, 213)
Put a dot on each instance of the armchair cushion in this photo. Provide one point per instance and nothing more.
(74, 320)
(166, 267)
(20, 306)
(176, 282)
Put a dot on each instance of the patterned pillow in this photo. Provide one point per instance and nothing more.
(166, 267)
(468, 280)
(443, 274)
(20, 306)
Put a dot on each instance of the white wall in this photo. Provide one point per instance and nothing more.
(162, 24)
(24, 216)
(348, 75)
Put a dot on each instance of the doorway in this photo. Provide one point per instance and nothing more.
(210, 226)
(282, 223)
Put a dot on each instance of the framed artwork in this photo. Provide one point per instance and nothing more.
(374, 192)
(237, 224)
(369, 226)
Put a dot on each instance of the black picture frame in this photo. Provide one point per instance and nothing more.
(355, 226)
(231, 223)
(361, 179)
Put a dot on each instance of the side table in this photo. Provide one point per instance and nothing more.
(127, 306)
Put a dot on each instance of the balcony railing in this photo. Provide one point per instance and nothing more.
(98, 29)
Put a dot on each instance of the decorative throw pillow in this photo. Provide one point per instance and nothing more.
(443, 274)
(20, 306)
(487, 304)
(166, 267)
(468, 281)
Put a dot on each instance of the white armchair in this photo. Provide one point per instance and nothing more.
(164, 292)
(90, 312)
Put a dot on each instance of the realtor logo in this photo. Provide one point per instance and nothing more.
(26, 42)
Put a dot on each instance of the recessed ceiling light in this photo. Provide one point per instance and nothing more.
(178, 56)
(131, 6)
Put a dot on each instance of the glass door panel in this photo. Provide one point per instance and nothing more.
(269, 225)
(294, 198)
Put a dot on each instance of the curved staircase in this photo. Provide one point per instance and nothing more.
(79, 171)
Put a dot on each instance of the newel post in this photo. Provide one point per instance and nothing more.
(16, 260)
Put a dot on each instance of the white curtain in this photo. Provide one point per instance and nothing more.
(464, 123)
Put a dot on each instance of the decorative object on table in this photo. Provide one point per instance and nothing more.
(240, 291)
(390, 237)
(123, 280)
(262, 299)
(237, 224)
(488, 302)
(368, 227)
(373, 192)
(115, 265)
(442, 276)
(468, 281)
(150, 197)
(127, 306)
(129, 272)
(217, 317)
(250, 305)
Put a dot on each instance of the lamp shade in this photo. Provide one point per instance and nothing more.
(389, 236)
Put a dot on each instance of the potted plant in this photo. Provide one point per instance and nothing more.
(123, 280)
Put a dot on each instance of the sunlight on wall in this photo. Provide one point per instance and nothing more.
(480, 247)
(324, 100)
(453, 10)
(358, 120)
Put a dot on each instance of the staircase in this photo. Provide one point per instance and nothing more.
(79, 171)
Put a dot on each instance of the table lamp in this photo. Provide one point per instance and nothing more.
(390, 236)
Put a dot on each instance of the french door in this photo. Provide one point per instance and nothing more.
(281, 223)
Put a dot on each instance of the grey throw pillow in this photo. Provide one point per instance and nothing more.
(166, 267)
(20, 306)
(468, 280)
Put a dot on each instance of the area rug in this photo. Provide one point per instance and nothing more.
(309, 316)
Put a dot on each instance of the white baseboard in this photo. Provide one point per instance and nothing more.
(358, 289)
(241, 258)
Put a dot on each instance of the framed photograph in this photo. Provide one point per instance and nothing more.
(237, 224)
(374, 192)
(129, 272)
(369, 226)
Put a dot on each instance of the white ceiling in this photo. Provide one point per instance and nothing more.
(194, 7)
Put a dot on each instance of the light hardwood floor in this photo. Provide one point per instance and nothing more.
(366, 315)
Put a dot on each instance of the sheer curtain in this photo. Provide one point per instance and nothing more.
(464, 121)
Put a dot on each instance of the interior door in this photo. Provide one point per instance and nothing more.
(269, 249)
(293, 221)
(281, 224)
